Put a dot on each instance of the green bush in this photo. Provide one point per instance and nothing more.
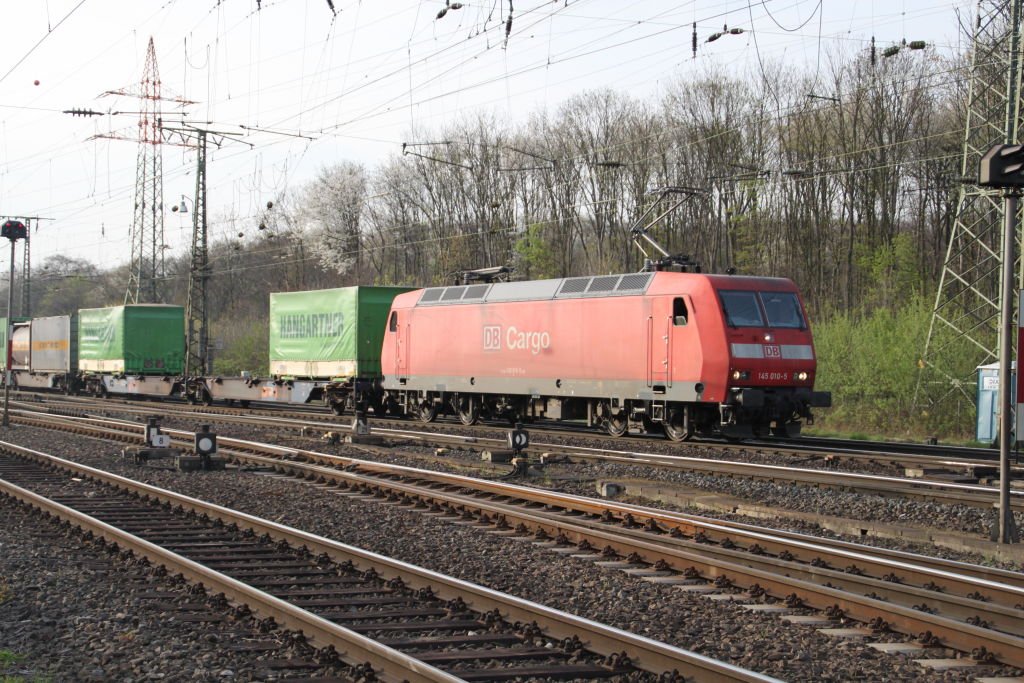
(870, 361)
(245, 347)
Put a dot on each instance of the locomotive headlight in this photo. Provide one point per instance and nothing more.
(740, 374)
(801, 376)
(768, 338)
(736, 374)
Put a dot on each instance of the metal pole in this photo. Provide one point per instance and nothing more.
(10, 333)
(1006, 531)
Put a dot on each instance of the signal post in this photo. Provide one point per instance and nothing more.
(1003, 167)
(13, 231)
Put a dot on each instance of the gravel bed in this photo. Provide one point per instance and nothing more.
(655, 444)
(719, 630)
(580, 477)
(72, 611)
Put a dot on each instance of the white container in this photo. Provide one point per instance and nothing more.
(54, 346)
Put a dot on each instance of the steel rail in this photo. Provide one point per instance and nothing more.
(681, 553)
(352, 647)
(958, 634)
(973, 495)
(842, 448)
(804, 545)
(645, 653)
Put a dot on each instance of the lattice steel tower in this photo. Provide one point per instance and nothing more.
(147, 263)
(964, 330)
(197, 333)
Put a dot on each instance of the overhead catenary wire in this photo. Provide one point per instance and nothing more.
(571, 5)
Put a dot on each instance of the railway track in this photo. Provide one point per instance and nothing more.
(382, 617)
(974, 609)
(842, 447)
(969, 462)
(942, 490)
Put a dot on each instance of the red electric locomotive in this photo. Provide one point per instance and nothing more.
(689, 353)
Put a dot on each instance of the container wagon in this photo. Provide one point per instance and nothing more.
(324, 346)
(135, 349)
(132, 349)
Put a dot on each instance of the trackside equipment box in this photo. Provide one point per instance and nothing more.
(141, 339)
(328, 333)
(987, 427)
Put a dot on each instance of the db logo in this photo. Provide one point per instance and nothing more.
(492, 338)
(772, 351)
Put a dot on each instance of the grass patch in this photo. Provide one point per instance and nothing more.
(7, 657)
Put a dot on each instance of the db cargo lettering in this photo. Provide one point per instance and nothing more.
(302, 326)
(492, 338)
(534, 342)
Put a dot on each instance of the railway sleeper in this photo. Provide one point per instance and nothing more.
(521, 649)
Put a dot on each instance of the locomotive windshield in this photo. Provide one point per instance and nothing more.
(751, 309)
(741, 309)
(782, 309)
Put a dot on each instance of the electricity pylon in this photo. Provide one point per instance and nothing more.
(146, 268)
(964, 330)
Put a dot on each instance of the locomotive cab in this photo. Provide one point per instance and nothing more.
(772, 363)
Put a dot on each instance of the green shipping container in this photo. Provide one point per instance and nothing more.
(142, 339)
(329, 333)
(3, 339)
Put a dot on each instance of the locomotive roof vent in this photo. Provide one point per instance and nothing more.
(604, 283)
(574, 285)
(630, 284)
(637, 281)
(475, 292)
(453, 294)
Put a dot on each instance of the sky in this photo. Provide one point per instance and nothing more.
(304, 84)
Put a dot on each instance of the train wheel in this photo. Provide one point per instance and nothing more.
(338, 407)
(469, 411)
(677, 427)
(617, 425)
(427, 412)
(243, 403)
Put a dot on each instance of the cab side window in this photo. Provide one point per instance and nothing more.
(680, 315)
(393, 323)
